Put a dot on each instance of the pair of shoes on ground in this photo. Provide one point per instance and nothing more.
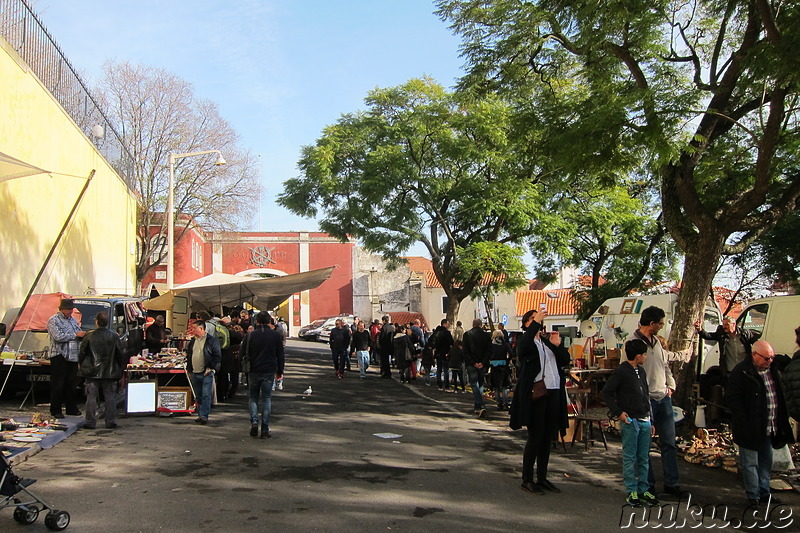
(201, 420)
(635, 499)
(265, 434)
(539, 487)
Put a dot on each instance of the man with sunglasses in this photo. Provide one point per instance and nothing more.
(759, 421)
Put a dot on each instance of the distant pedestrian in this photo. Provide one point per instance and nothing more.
(476, 358)
(759, 421)
(386, 346)
(500, 373)
(455, 362)
(340, 343)
(628, 399)
(442, 342)
(458, 332)
(203, 357)
(360, 347)
(403, 350)
(101, 362)
(263, 348)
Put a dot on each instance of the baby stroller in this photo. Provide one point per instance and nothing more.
(14, 493)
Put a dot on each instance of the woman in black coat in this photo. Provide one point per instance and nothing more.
(546, 416)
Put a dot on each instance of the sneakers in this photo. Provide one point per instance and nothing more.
(254, 430)
(649, 498)
(633, 500)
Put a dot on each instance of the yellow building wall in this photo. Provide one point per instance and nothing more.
(97, 252)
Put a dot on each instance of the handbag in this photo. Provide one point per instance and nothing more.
(539, 389)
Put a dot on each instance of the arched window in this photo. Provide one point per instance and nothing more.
(158, 246)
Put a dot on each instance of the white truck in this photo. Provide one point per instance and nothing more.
(776, 318)
(618, 318)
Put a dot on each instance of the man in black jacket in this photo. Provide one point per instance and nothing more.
(263, 348)
(386, 347)
(734, 343)
(759, 421)
(477, 347)
(442, 341)
(101, 363)
(340, 344)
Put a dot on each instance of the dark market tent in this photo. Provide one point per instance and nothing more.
(229, 290)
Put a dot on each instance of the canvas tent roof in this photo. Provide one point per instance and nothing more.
(230, 290)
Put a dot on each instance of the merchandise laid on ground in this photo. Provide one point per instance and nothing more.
(22, 437)
(158, 383)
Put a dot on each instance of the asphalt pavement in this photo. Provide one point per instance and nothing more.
(355, 455)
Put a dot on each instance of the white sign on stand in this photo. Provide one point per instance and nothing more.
(141, 397)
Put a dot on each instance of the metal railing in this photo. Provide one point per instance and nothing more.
(23, 30)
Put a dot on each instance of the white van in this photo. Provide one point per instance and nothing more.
(618, 318)
(776, 318)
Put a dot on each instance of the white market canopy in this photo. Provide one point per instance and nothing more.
(229, 290)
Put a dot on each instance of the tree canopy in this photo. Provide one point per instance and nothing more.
(703, 92)
(157, 113)
(421, 165)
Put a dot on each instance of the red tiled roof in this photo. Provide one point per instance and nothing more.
(723, 297)
(419, 264)
(432, 283)
(404, 317)
(536, 285)
(558, 301)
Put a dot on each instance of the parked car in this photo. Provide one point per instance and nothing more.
(311, 331)
(325, 333)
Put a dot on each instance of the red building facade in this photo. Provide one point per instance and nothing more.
(200, 254)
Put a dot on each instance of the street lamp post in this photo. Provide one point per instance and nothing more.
(171, 208)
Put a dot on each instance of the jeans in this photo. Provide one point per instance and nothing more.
(756, 467)
(476, 382)
(203, 385)
(362, 356)
(109, 387)
(664, 421)
(261, 399)
(635, 454)
(442, 373)
(63, 380)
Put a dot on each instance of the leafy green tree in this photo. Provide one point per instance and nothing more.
(502, 266)
(420, 165)
(704, 92)
(614, 234)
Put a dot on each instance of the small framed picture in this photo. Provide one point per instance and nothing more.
(627, 306)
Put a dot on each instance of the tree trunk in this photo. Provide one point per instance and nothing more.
(700, 265)
(453, 306)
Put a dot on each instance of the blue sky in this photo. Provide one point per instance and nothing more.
(279, 70)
